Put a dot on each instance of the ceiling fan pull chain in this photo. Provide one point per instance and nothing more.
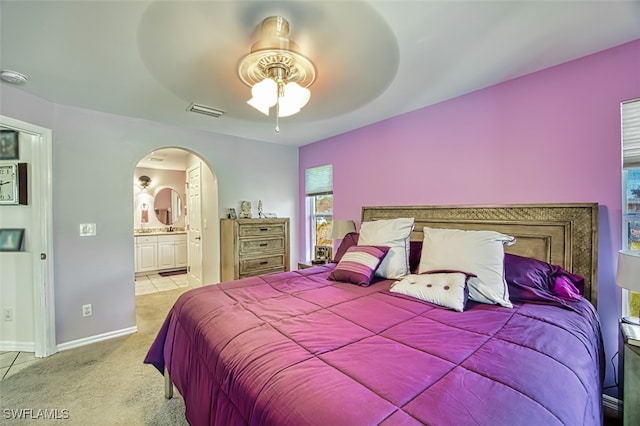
(278, 116)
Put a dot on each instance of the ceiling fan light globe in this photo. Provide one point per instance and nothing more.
(294, 98)
(286, 110)
(259, 105)
(265, 92)
(264, 95)
(299, 95)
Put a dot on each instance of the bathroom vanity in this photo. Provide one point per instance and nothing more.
(160, 251)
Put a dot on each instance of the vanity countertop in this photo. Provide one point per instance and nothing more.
(151, 233)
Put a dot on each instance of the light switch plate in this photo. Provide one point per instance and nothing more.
(87, 229)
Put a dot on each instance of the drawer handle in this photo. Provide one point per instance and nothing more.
(264, 229)
(264, 262)
(263, 244)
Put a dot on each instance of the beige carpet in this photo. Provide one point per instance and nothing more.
(104, 383)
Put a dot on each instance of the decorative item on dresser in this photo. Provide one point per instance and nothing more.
(245, 210)
(250, 247)
(261, 214)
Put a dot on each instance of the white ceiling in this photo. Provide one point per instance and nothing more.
(375, 59)
(166, 159)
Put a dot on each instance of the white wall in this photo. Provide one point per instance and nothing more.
(94, 157)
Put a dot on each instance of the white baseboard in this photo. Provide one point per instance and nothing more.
(612, 405)
(97, 338)
(7, 346)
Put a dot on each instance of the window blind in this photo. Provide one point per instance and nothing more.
(631, 133)
(319, 180)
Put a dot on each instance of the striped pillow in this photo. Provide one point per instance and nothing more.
(358, 264)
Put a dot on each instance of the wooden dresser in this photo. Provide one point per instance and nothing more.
(251, 247)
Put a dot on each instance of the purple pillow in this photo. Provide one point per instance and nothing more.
(534, 280)
(351, 239)
(358, 264)
(564, 288)
(415, 251)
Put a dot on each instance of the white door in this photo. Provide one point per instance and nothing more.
(37, 311)
(194, 230)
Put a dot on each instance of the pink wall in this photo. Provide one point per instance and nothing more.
(548, 137)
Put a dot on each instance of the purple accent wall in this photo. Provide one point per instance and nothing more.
(549, 137)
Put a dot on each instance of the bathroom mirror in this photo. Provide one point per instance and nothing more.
(168, 206)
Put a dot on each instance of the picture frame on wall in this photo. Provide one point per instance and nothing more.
(9, 145)
(11, 239)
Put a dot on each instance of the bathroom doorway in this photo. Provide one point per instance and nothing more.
(167, 221)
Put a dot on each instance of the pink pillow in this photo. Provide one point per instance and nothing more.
(358, 264)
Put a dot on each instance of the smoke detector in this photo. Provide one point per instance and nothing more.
(13, 77)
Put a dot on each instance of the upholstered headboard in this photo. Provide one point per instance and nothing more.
(561, 234)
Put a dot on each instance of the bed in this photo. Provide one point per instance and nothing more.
(307, 347)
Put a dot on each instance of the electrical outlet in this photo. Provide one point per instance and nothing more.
(86, 310)
(7, 314)
(87, 229)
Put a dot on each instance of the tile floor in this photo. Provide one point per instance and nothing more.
(154, 283)
(12, 362)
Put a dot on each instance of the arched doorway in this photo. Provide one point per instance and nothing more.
(175, 221)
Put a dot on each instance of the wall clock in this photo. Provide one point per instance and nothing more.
(13, 184)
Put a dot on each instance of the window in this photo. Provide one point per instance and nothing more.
(319, 192)
(631, 189)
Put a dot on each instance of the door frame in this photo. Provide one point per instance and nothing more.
(190, 254)
(41, 188)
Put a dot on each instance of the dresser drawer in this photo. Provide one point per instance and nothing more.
(261, 229)
(263, 245)
(259, 265)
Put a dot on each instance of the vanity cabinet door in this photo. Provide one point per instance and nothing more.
(146, 254)
(181, 253)
(166, 254)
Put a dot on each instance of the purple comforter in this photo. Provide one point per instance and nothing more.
(295, 348)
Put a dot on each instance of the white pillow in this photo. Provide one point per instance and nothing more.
(444, 289)
(477, 252)
(395, 234)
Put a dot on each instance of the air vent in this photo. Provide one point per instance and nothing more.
(206, 110)
(156, 159)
